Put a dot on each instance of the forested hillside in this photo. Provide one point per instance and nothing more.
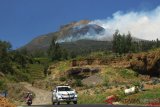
(17, 66)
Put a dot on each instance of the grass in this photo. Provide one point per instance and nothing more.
(42, 60)
(150, 94)
(91, 99)
(2, 85)
(119, 76)
(97, 98)
(126, 73)
(139, 98)
(101, 55)
(29, 73)
(144, 97)
(63, 66)
(36, 71)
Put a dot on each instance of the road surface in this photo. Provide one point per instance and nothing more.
(42, 97)
(83, 105)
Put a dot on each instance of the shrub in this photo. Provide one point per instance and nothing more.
(62, 79)
(20, 76)
(2, 85)
(125, 73)
(106, 81)
(136, 83)
(78, 83)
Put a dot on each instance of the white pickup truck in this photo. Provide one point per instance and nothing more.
(64, 94)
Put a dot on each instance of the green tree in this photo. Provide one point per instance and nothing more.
(55, 52)
(5, 60)
(122, 43)
(128, 42)
(115, 41)
(21, 59)
(64, 54)
(157, 43)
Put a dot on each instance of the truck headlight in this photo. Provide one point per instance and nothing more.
(75, 95)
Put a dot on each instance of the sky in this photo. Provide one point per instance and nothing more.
(23, 20)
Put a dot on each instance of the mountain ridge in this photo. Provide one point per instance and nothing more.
(72, 32)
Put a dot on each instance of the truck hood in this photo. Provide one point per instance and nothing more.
(66, 92)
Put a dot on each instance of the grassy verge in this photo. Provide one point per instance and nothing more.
(145, 97)
(150, 94)
(91, 99)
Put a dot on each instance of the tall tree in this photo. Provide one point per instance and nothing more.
(122, 43)
(157, 43)
(5, 61)
(55, 52)
(128, 42)
(115, 41)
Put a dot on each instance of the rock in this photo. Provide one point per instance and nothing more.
(147, 63)
(1, 74)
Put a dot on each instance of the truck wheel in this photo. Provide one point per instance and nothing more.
(68, 102)
(53, 103)
(74, 102)
(58, 103)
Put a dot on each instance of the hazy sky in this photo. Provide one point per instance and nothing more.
(23, 20)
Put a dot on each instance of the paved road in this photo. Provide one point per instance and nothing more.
(83, 105)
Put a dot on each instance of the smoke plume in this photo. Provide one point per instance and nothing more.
(142, 24)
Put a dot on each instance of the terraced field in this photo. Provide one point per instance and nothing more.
(36, 71)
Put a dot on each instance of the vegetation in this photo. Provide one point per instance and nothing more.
(62, 79)
(150, 94)
(92, 99)
(78, 83)
(122, 43)
(85, 47)
(18, 65)
(2, 85)
(126, 44)
(146, 97)
(5, 60)
(55, 52)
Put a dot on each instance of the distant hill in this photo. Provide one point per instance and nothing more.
(86, 46)
(76, 35)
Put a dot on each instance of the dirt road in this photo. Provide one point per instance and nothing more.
(42, 97)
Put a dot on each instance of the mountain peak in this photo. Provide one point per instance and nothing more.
(73, 24)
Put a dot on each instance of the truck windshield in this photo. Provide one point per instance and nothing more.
(64, 89)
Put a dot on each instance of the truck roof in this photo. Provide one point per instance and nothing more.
(63, 86)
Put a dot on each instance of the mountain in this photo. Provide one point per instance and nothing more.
(71, 36)
(84, 31)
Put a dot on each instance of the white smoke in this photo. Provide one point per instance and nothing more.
(143, 24)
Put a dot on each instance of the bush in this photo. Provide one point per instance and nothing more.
(62, 79)
(136, 83)
(20, 76)
(125, 73)
(78, 83)
(106, 81)
(2, 85)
